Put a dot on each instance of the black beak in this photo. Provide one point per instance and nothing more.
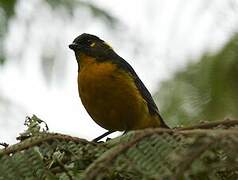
(74, 46)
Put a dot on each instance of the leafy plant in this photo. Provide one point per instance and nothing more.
(205, 151)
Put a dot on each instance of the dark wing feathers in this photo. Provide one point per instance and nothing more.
(141, 87)
(153, 109)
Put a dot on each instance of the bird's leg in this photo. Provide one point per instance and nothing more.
(102, 136)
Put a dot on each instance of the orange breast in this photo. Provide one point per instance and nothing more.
(111, 98)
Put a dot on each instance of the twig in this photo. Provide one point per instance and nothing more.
(209, 125)
(5, 145)
(94, 170)
(43, 137)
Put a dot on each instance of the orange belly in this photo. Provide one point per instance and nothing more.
(112, 99)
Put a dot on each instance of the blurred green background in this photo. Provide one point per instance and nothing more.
(185, 52)
(203, 91)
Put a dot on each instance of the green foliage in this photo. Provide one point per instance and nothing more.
(6, 12)
(43, 155)
(2, 60)
(8, 7)
(206, 90)
(207, 151)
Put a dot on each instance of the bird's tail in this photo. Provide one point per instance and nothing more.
(162, 123)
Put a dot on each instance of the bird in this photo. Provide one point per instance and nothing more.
(110, 89)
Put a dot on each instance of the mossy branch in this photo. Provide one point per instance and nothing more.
(150, 154)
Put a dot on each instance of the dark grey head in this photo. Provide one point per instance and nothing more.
(90, 45)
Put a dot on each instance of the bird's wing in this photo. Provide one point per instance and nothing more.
(153, 109)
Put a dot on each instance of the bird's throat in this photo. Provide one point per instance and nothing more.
(85, 60)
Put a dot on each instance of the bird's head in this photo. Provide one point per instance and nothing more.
(90, 45)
